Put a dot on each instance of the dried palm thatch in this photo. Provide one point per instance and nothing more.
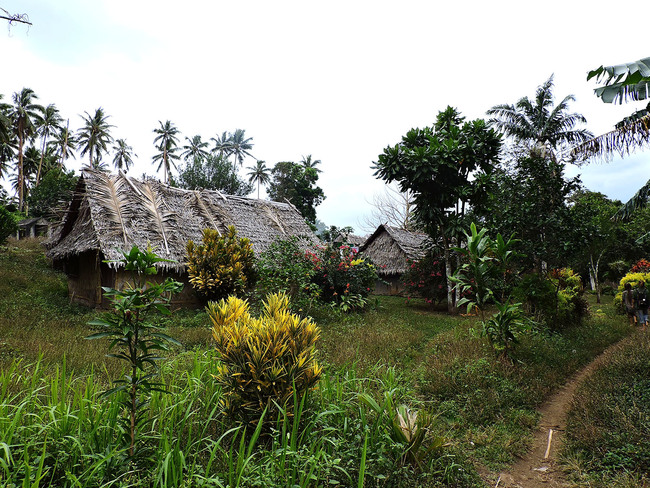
(389, 249)
(111, 213)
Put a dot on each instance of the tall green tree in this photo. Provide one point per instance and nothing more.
(7, 139)
(446, 167)
(221, 144)
(123, 158)
(47, 127)
(50, 198)
(538, 124)
(65, 143)
(94, 137)
(259, 174)
(308, 162)
(297, 184)
(240, 146)
(194, 149)
(25, 115)
(167, 143)
(212, 173)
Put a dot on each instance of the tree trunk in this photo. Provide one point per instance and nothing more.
(451, 303)
(21, 174)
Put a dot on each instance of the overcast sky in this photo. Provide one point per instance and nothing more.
(337, 80)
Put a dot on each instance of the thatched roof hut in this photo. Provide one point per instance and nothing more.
(111, 213)
(390, 248)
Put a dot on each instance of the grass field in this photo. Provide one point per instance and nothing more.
(55, 431)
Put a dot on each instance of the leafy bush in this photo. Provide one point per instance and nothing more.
(339, 272)
(221, 265)
(284, 267)
(426, 278)
(641, 266)
(265, 361)
(633, 278)
(554, 300)
(8, 225)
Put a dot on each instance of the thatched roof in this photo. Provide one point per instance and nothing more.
(111, 213)
(390, 248)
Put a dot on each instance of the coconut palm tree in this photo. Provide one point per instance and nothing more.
(307, 162)
(538, 123)
(65, 143)
(94, 137)
(222, 144)
(25, 115)
(240, 146)
(5, 121)
(49, 124)
(195, 149)
(123, 158)
(259, 174)
(167, 139)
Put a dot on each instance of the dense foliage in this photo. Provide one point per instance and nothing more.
(221, 265)
(212, 173)
(265, 362)
(296, 183)
(426, 278)
(8, 224)
(51, 197)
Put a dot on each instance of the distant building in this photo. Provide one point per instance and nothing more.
(36, 227)
(390, 248)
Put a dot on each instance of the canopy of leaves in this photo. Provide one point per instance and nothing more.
(297, 184)
(53, 194)
(212, 173)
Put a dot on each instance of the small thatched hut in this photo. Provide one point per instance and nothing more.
(390, 248)
(34, 227)
(111, 213)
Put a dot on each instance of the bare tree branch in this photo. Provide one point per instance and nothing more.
(22, 18)
(391, 207)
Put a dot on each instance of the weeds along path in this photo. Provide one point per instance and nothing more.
(539, 467)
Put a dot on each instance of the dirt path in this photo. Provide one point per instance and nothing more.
(538, 468)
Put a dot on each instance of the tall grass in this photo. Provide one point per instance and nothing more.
(608, 427)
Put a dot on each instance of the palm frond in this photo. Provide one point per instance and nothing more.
(623, 140)
(113, 198)
(161, 217)
(639, 200)
(198, 202)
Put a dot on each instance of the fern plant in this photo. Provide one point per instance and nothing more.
(221, 265)
(266, 360)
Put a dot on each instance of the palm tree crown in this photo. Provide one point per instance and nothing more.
(167, 139)
(259, 174)
(123, 158)
(538, 123)
(94, 137)
(195, 149)
(240, 146)
(308, 162)
(65, 143)
(24, 115)
(49, 124)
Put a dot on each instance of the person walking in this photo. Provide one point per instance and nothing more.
(627, 299)
(641, 303)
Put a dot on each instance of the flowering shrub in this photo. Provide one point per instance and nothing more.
(641, 266)
(426, 278)
(340, 272)
(633, 279)
(285, 267)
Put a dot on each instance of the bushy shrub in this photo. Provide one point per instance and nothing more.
(555, 299)
(265, 361)
(426, 278)
(284, 267)
(339, 272)
(641, 266)
(633, 278)
(221, 265)
(8, 225)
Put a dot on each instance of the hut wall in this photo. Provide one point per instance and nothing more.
(84, 278)
(389, 285)
(185, 299)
